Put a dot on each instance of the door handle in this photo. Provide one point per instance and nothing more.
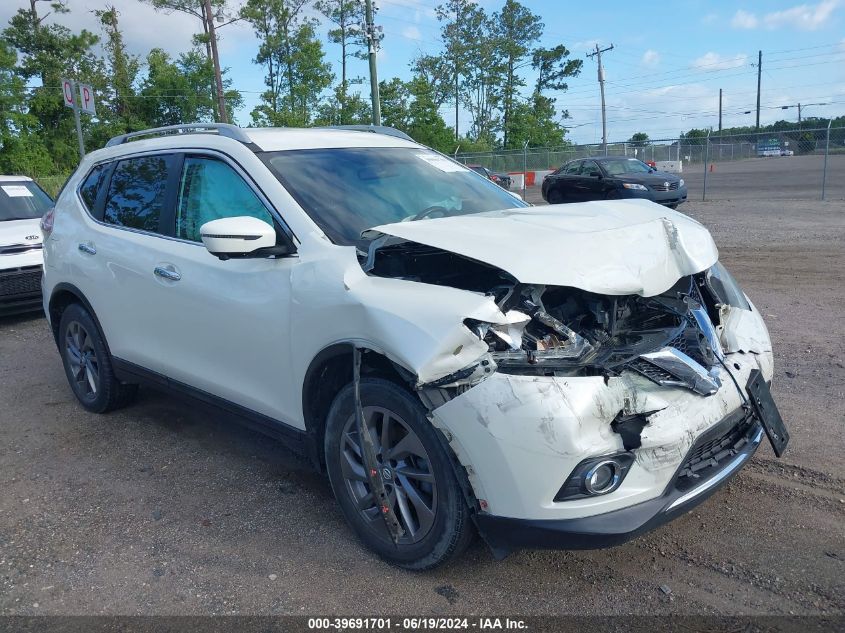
(87, 247)
(170, 273)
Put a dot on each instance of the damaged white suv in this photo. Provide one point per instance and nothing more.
(561, 376)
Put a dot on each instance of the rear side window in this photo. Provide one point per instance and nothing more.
(91, 187)
(210, 190)
(137, 192)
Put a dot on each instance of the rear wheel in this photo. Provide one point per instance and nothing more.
(88, 365)
(414, 467)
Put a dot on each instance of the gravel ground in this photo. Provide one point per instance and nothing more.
(168, 508)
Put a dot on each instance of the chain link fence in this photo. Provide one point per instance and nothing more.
(803, 163)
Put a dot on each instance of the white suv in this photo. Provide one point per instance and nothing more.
(22, 203)
(562, 376)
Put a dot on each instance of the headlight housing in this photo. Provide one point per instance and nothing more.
(634, 186)
(681, 183)
(724, 287)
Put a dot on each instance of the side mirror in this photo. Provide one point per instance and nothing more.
(595, 174)
(241, 237)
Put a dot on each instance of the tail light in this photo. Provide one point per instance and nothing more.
(47, 221)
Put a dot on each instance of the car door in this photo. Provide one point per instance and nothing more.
(563, 185)
(114, 256)
(225, 324)
(590, 186)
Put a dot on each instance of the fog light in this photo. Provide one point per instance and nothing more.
(602, 478)
(596, 476)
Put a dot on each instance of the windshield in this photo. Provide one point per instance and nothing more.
(625, 166)
(349, 190)
(22, 200)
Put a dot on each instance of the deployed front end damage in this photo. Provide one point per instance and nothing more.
(590, 417)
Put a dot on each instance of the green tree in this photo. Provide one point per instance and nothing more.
(553, 67)
(346, 16)
(117, 97)
(177, 91)
(453, 15)
(297, 74)
(537, 122)
(639, 139)
(515, 30)
(218, 9)
(22, 151)
(481, 86)
(425, 125)
(49, 52)
(395, 103)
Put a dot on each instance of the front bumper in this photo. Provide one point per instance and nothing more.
(20, 289)
(676, 196)
(504, 534)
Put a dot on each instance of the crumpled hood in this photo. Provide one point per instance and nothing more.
(614, 247)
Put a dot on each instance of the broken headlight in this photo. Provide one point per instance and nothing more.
(724, 287)
(531, 337)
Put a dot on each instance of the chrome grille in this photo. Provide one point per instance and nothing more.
(673, 186)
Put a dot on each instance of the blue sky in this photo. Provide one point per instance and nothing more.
(663, 76)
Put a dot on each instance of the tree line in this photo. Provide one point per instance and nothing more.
(481, 69)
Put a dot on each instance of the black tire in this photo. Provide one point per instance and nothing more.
(88, 365)
(450, 531)
(554, 196)
(673, 206)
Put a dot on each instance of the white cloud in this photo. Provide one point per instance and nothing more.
(805, 17)
(650, 58)
(143, 27)
(714, 61)
(411, 33)
(744, 20)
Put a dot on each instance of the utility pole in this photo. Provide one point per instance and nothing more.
(759, 74)
(373, 33)
(597, 54)
(215, 58)
(720, 111)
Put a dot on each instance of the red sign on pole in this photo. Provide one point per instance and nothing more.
(67, 92)
(87, 101)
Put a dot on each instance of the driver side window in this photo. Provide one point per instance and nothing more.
(209, 190)
(572, 169)
(588, 167)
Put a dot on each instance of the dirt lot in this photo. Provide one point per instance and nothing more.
(166, 508)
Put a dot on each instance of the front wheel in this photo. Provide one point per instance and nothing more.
(416, 471)
(554, 196)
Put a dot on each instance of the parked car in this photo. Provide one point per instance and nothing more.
(452, 358)
(787, 152)
(503, 180)
(612, 178)
(22, 203)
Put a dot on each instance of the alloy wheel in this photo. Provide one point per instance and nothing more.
(403, 465)
(83, 364)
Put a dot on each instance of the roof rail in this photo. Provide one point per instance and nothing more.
(375, 129)
(222, 129)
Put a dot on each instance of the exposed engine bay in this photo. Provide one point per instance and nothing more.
(669, 338)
